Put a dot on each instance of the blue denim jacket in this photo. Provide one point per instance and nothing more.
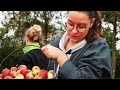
(93, 61)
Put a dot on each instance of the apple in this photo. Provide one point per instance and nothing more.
(19, 76)
(18, 71)
(43, 73)
(5, 72)
(24, 71)
(35, 70)
(13, 74)
(50, 75)
(1, 76)
(29, 75)
(14, 69)
(22, 67)
(51, 71)
(8, 77)
(37, 77)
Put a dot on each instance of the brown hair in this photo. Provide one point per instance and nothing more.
(96, 30)
(34, 33)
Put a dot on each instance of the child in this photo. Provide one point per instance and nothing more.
(32, 53)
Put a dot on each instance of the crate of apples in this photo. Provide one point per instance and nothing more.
(21, 72)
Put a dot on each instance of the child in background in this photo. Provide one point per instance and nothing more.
(32, 53)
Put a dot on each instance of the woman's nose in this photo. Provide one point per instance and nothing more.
(75, 29)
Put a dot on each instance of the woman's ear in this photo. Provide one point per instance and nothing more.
(92, 22)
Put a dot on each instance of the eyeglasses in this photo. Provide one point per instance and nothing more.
(79, 28)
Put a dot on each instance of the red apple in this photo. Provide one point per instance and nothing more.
(24, 71)
(43, 74)
(8, 77)
(19, 76)
(29, 75)
(35, 70)
(13, 74)
(1, 76)
(5, 72)
(22, 67)
(14, 69)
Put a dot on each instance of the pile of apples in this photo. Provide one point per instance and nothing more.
(21, 72)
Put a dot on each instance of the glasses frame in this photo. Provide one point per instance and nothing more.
(80, 30)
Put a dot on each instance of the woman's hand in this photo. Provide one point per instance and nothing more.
(55, 53)
(51, 51)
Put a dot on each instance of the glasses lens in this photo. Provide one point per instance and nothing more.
(70, 27)
(81, 29)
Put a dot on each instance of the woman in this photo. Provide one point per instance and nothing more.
(32, 54)
(81, 52)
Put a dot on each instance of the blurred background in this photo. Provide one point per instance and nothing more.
(14, 23)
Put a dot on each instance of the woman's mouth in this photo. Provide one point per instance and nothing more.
(74, 37)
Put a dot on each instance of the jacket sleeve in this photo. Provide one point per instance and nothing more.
(52, 65)
(94, 64)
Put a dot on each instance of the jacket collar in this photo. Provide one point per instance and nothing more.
(32, 46)
(64, 40)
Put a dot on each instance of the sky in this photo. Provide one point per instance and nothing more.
(1, 18)
(104, 25)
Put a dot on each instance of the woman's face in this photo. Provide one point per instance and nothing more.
(78, 24)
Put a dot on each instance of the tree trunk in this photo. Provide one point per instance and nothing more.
(114, 49)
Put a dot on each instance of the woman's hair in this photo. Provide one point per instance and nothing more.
(34, 33)
(96, 30)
